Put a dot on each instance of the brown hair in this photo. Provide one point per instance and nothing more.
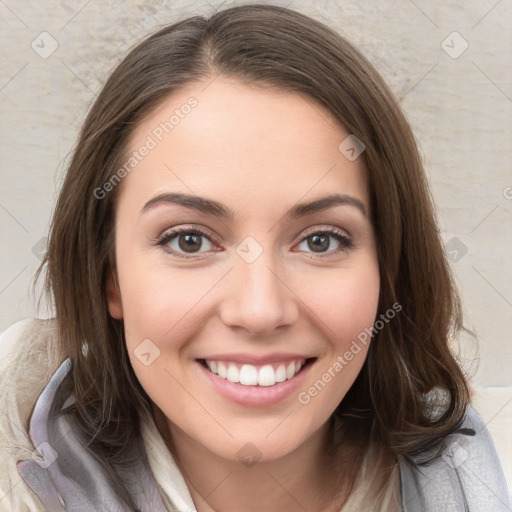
(275, 46)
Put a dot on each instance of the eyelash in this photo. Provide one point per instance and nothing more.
(170, 235)
(345, 242)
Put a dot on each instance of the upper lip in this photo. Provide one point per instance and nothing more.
(276, 357)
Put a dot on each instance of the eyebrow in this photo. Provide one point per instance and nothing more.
(211, 207)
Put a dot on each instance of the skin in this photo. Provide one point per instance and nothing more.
(259, 151)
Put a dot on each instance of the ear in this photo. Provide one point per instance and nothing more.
(115, 306)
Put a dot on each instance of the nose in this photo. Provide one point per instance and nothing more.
(257, 299)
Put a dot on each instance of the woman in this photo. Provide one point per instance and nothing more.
(253, 307)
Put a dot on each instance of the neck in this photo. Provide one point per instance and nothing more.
(319, 482)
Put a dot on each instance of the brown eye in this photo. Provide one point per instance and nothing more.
(183, 242)
(318, 243)
(189, 242)
(326, 242)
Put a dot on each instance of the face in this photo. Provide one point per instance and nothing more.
(242, 288)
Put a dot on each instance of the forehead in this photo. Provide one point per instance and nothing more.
(240, 142)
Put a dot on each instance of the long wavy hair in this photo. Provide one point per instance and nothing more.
(271, 45)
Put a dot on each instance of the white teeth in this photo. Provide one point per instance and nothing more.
(232, 374)
(250, 375)
(281, 373)
(266, 376)
(221, 370)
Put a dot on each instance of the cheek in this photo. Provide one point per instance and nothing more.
(347, 310)
(159, 318)
(159, 300)
(356, 306)
(345, 300)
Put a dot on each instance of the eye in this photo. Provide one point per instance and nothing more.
(326, 242)
(185, 242)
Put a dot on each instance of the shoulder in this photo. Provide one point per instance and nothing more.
(45, 463)
(28, 358)
(19, 340)
(468, 476)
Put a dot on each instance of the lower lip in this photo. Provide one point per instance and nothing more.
(256, 396)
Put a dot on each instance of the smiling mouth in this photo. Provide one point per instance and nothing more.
(253, 375)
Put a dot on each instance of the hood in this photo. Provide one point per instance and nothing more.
(65, 475)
